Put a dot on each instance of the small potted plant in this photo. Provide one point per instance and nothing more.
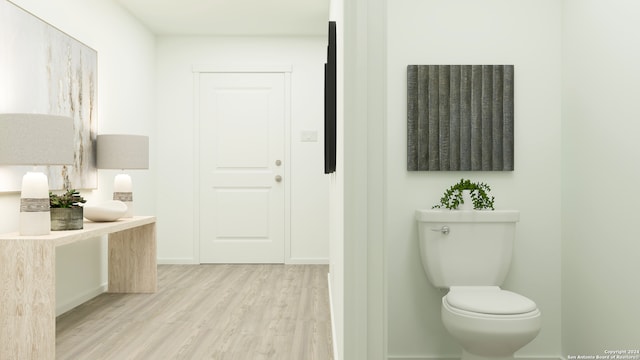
(477, 193)
(66, 210)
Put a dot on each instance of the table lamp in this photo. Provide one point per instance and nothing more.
(35, 139)
(123, 152)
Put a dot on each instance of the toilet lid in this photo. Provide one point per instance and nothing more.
(492, 300)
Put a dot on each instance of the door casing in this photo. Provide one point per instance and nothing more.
(286, 71)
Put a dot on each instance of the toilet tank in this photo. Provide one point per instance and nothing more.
(466, 247)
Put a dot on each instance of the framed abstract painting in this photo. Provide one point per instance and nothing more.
(45, 71)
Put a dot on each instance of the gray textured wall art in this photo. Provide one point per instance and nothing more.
(43, 70)
(460, 117)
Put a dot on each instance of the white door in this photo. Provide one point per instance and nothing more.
(242, 197)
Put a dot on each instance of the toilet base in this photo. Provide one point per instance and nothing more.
(468, 356)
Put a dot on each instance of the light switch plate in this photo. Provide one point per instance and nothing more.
(309, 136)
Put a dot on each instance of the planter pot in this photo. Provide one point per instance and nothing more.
(66, 218)
(468, 201)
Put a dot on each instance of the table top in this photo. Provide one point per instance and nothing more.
(91, 229)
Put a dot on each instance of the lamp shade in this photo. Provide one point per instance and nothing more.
(122, 152)
(36, 139)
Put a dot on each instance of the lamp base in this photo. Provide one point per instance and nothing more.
(123, 191)
(35, 218)
(35, 223)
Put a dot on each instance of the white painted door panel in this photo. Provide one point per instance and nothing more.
(242, 119)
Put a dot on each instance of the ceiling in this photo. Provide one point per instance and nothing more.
(232, 17)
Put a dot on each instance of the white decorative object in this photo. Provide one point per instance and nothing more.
(123, 152)
(35, 139)
(106, 211)
(468, 201)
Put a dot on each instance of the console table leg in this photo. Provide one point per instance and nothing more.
(27, 299)
(132, 260)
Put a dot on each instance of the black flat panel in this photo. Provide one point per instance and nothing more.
(330, 103)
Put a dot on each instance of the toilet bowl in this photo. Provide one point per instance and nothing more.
(488, 322)
(469, 253)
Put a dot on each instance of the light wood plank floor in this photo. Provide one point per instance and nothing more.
(244, 312)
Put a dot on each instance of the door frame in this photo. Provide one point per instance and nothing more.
(260, 68)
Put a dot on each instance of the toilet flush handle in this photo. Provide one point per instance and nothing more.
(444, 229)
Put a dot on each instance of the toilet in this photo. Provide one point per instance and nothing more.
(468, 253)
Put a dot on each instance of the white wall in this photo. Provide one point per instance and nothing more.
(526, 34)
(125, 105)
(600, 174)
(336, 192)
(176, 166)
(357, 271)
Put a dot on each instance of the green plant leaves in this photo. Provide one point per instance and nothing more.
(452, 197)
(69, 199)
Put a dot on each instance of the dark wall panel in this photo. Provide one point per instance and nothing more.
(460, 117)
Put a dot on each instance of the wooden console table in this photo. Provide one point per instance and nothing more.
(27, 279)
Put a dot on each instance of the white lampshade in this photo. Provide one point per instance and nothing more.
(122, 152)
(36, 139)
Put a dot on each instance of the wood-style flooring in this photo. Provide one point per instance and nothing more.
(243, 312)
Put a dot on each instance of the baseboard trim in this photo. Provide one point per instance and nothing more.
(79, 300)
(294, 261)
(177, 261)
(333, 321)
(307, 261)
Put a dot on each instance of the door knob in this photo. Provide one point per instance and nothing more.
(278, 178)
(278, 162)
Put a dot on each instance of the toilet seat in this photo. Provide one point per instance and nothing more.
(488, 300)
